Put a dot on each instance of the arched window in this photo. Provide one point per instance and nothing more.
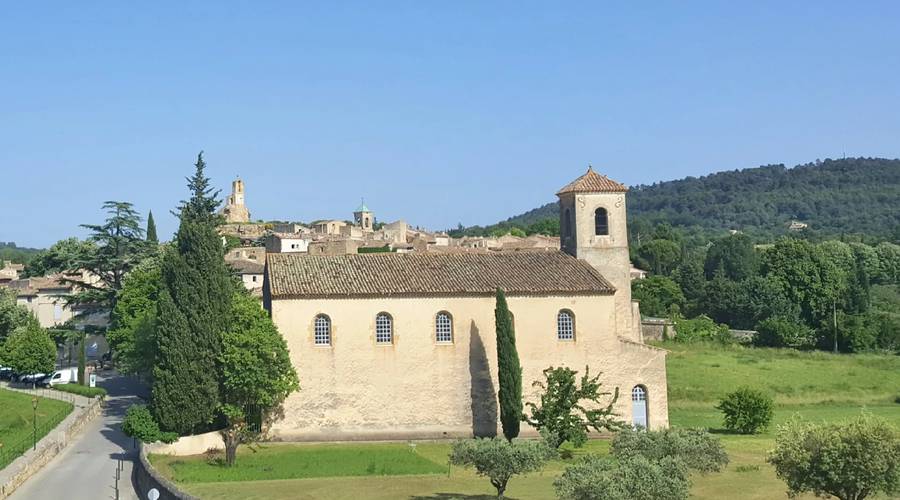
(443, 327)
(568, 223)
(639, 406)
(601, 222)
(384, 329)
(565, 325)
(322, 330)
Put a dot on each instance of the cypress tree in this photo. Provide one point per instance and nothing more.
(151, 229)
(192, 315)
(509, 370)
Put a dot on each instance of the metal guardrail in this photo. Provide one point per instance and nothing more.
(10, 450)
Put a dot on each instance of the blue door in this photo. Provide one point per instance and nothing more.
(639, 407)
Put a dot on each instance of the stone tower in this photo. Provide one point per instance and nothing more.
(364, 217)
(593, 227)
(235, 210)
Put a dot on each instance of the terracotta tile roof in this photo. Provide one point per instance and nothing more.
(424, 274)
(592, 182)
(243, 266)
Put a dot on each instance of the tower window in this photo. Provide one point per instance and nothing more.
(565, 325)
(601, 222)
(384, 329)
(568, 223)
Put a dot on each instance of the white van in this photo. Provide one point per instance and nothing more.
(64, 376)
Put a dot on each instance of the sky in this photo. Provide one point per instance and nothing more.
(438, 113)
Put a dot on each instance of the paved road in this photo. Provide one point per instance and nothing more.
(86, 469)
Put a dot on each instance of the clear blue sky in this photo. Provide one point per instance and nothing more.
(437, 113)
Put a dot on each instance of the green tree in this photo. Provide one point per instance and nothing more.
(12, 314)
(659, 296)
(151, 229)
(193, 313)
(661, 255)
(634, 478)
(734, 254)
(781, 332)
(509, 370)
(63, 255)
(696, 448)
(119, 247)
(132, 338)
(29, 350)
(747, 410)
(850, 461)
(690, 278)
(568, 410)
(139, 424)
(499, 460)
(257, 374)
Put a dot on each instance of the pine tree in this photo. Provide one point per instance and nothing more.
(509, 370)
(151, 229)
(192, 315)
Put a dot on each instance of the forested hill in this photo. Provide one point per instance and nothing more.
(834, 197)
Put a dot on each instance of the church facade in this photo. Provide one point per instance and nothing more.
(402, 346)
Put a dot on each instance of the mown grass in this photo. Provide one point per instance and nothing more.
(16, 427)
(818, 386)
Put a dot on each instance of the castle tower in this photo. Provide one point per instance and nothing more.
(364, 217)
(235, 211)
(593, 227)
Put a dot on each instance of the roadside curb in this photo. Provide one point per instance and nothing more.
(23, 467)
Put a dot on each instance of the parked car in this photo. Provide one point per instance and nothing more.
(6, 373)
(31, 378)
(64, 376)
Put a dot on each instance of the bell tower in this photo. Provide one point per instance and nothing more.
(593, 227)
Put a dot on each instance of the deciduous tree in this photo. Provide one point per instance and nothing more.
(29, 350)
(499, 460)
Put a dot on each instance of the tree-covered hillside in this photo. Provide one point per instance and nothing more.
(834, 197)
(9, 251)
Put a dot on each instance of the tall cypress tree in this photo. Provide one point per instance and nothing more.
(193, 313)
(151, 229)
(508, 369)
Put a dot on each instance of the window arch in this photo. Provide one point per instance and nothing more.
(568, 223)
(443, 328)
(322, 330)
(565, 325)
(639, 406)
(384, 329)
(601, 222)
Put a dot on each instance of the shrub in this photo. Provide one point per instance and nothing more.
(849, 461)
(696, 448)
(701, 329)
(779, 332)
(499, 459)
(633, 478)
(747, 410)
(81, 390)
(140, 424)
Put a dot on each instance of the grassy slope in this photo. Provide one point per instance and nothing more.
(16, 425)
(819, 386)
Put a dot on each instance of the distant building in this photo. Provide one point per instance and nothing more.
(251, 274)
(329, 227)
(286, 243)
(257, 254)
(10, 271)
(235, 209)
(797, 226)
(45, 297)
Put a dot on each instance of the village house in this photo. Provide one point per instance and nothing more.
(402, 346)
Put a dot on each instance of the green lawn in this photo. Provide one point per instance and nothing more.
(818, 386)
(16, 428)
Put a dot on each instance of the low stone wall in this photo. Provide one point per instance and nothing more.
(14, 474)
(189, 445)
(147, 478)
(657, 328)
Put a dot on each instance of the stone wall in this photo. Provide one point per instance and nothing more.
(147, 478)
(654, 328)
(49, 446)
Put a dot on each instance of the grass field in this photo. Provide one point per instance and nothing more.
(16, 426)
(818, 386)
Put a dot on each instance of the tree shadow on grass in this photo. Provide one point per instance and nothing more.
(457, 496)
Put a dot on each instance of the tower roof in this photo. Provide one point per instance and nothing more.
(362, 207)
(592, 182)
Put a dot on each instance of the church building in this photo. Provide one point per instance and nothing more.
(402, 346)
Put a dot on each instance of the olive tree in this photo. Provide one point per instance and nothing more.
(850, 461)
(499, 459)
(569, 409)
(696, 448)
(633, 478)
